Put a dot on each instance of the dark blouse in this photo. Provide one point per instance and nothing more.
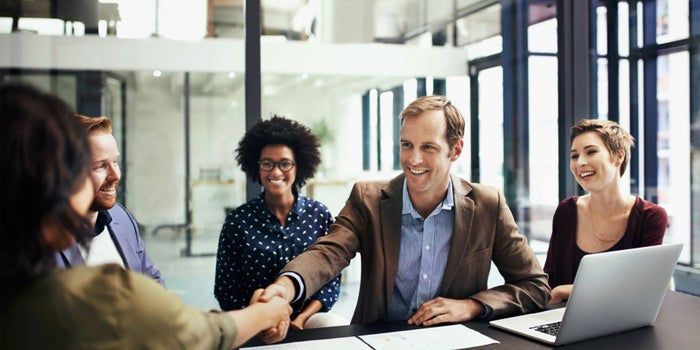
(646, 226)
(254, 247)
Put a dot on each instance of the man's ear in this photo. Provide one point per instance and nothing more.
(456, 150)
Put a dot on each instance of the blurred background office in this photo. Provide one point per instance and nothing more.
(182, 80)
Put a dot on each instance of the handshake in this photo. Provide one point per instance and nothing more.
(272, 304)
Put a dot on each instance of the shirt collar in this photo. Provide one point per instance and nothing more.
(103, 219)
(446, 204)
(297, 208)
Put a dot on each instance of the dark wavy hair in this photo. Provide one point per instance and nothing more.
(280, 131)
(45, 159)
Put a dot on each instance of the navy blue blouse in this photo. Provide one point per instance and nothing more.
(254, 247)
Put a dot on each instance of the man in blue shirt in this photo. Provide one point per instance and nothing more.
(427, 238)
(115, 237)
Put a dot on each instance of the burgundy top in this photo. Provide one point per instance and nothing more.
(646, 226)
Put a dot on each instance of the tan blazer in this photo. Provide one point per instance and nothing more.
(484, 230)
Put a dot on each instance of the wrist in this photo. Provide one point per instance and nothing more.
(301, 318)
(258, 314)
(474, 309)
(288, 286)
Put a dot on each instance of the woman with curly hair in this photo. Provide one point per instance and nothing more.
(261, 236)
(46, 195)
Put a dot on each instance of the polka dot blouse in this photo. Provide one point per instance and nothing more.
(254, 247)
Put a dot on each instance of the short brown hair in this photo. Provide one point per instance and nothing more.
(95, 125)
(454, 119)
(612, 134)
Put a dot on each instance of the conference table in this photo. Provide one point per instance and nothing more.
(677, 327)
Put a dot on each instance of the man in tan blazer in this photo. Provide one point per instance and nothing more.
(426, 239)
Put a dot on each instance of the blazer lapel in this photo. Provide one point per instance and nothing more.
(72, 256)
(119, 237)
(390, 219)
(461, 231)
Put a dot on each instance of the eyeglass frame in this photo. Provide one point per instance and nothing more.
(277, 164)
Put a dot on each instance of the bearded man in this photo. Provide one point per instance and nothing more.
(115, 237)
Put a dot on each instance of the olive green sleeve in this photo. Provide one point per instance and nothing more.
(162, 317)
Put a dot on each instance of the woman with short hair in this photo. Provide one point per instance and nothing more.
(608, 217)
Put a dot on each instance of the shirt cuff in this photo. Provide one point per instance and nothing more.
(488, 311)
(298, 285)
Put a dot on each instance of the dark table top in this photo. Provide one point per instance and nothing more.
(677, 327)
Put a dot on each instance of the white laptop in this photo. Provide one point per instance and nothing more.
(613, 292)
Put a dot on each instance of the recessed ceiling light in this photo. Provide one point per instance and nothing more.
(157, 73)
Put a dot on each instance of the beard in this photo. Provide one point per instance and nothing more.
(104, 201)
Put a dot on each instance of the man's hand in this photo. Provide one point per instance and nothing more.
(276, 333)
(283, 287)
(441, 310)
(561, 293)
(278, 329)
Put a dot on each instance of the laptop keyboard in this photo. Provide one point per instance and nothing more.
(549, 328)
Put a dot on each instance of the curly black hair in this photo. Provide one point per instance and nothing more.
(280, 131)
(46, 157)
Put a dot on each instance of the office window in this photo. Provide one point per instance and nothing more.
(673, 146)
(640, 24)
(695, 154)
(386, 120)
(458, 90)
(544, 163)
(623, 26)
(624, 108)
(373, 127)
(410, 91)
(602, 30)
(602, 88)
(491, 126)
(671, 20)
(640, 140)
(543, 36)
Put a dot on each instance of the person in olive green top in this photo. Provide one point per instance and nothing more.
(45, 198)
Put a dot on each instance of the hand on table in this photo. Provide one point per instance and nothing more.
(442, 310)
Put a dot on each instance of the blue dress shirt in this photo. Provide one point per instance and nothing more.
(253, 248)
(425, 245)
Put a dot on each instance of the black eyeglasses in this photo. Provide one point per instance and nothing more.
(285, 164)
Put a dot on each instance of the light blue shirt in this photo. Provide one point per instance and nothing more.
(425, 244)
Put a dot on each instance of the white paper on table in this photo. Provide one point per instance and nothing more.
(434, 338)
(349, 343)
